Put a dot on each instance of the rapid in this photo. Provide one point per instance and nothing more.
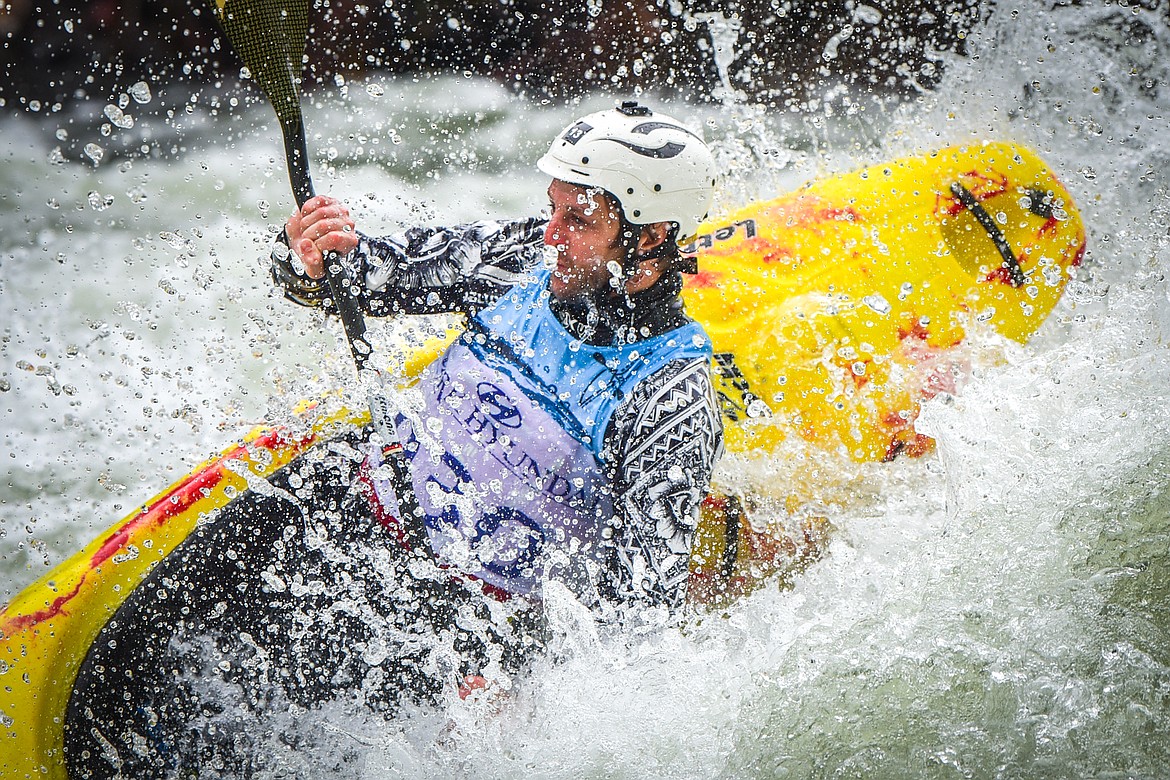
(1000, 608)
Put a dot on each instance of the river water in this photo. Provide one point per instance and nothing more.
(998, 609)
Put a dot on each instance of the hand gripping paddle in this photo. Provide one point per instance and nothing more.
(269, 36)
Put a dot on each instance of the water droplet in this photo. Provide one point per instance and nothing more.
(273, 581)
(62, 134)
(99, 202)
(118, 117)
(867, 14)
(756, 408)
(877, 303)
(141, 92)
(56, 157)
(375, 90)
(175, 240)
(93, 152)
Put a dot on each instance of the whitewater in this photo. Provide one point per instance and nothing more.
(996, 609)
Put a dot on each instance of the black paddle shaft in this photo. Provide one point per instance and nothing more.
(269, 36)
(344, 299)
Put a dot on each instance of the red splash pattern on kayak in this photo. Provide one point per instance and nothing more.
(174, 503)
(912, 327)
(703, 279)
(763, 250)
(981, 185)
(909, 443)
(56, 607)
(811, 210)
(1000, 275)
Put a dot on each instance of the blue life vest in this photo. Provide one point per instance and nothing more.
(506, 451)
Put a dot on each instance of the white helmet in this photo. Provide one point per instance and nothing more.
(657, 169)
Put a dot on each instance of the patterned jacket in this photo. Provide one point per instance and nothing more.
(662, 442)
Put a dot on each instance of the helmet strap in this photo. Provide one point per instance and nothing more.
(630, 234)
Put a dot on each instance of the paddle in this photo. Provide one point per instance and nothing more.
(269, 36)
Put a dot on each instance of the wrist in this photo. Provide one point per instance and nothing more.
(289, 272)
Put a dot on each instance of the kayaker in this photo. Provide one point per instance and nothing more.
(572, 430)
(570, 433)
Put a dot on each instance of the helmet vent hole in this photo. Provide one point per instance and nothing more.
(584, 160)
(637, 213)
(658, 188)
(629, 190)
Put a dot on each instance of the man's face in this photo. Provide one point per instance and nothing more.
(584, 228)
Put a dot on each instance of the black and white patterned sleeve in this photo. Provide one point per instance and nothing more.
(663, 444)
(426, 270)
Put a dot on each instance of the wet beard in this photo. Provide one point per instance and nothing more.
(607, 318)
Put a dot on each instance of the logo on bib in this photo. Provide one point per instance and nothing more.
(495, 404)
